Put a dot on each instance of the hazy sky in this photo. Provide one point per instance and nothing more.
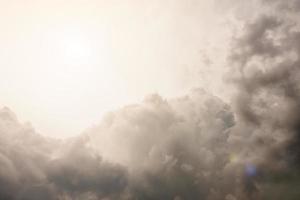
(65, 63)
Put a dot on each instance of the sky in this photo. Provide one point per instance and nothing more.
(150, 100)
(65, 63)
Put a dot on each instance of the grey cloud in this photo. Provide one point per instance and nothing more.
(159, 149)
(34, 167)
(291, 5)
(174, 148)
(266, 73)
(185, 148)
(81, 171)
(256, 40)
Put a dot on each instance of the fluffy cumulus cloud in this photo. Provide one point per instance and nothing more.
(191, 147)
(172, 149)
(35, 167)
(158, 149)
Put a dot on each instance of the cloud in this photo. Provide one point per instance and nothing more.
(265, 60)
(159, 149)
(291, 6)
(171, 148)
(35, 167)
(190, 147)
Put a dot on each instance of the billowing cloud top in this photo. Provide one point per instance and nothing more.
(192, 147)
(159, 149)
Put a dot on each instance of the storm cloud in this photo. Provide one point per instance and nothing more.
(265, 63)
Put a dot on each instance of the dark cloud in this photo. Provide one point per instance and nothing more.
(291, 5)
(267, 73)
(82, 172)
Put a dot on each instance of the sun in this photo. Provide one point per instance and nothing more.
(75, 47)
(77, 57)
(75, 74)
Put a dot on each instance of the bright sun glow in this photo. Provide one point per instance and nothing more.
(64, 64)
(76, 48)
(76, 73)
